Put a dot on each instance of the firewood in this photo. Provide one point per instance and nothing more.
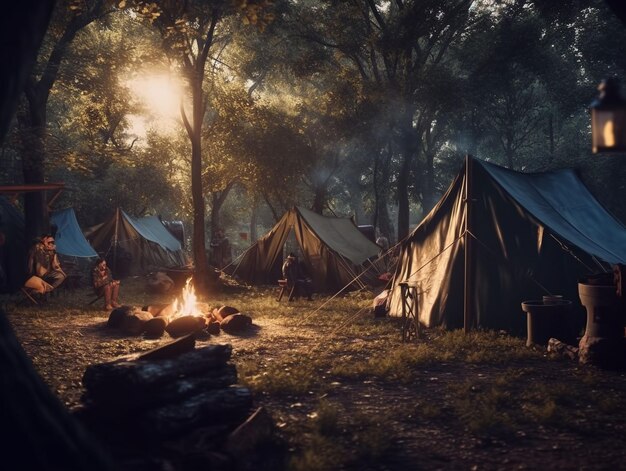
(169, 350)
(230, 406)
(185, 325)
(112, 402)
(129, 375)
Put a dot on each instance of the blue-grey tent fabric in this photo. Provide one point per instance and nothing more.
(70, 240)
(562, 203)
(136, 245)
(152, 229)
(525, 235)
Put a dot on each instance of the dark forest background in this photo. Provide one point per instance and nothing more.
(360, 107)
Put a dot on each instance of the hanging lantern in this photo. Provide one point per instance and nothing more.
(608, 119)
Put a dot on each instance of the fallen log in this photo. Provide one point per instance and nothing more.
(169, 350)
(111, 402)
(127, 376)
(222, 406)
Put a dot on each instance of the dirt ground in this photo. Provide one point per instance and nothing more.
(62, 343)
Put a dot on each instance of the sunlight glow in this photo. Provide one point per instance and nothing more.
(161, 95)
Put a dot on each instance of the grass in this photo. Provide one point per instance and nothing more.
(357, 385)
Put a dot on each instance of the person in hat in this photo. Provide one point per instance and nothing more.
(46, 262)
(294, 276)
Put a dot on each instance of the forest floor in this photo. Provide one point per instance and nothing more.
(345, 393)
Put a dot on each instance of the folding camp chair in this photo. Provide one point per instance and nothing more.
(98, 297)
(28, 295)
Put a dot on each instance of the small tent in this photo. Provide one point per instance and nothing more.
(503, 237)
(70, 240)
(136, 245)
(333, 250)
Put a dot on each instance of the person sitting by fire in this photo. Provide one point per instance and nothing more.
(105, 285)
(296, 277)
(46, 263)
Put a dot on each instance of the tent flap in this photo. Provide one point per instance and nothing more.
(69, 238)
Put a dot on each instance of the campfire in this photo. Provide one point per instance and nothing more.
(187, 304)
(185, 315)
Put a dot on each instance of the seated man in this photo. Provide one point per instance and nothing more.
(295, 277)
(46, 263)
(105, 285)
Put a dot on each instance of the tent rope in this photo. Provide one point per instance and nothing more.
(433, 258)
(240, 258)
(566, 249)
(380, 257)
(339, 327)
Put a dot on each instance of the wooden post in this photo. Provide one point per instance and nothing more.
(468, 315)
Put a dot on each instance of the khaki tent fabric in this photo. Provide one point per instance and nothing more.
(333, 250)
(146, 240)
(529, 235)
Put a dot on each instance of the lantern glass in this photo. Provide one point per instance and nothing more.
(608, 120)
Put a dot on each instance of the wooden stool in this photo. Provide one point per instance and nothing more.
(283, 286)
(410, 322)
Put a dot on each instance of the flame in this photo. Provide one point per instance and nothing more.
(187, 304)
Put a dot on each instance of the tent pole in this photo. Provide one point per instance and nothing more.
(467, 279)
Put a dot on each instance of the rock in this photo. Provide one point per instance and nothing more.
(135, 322)
(602, 352)
(223, 312)
(117, 316)
(557, 347)
(155, 327)
(159, 283)
(185, 325)
(236, 323)
(213, 328)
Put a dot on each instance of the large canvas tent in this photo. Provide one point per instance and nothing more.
(333, 250)
(499, 237)
(136, 245)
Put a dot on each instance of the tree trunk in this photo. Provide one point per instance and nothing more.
(202, 282)
(429, 199)
(403, 196)
(253, 219)
(319, 200)
(382, 172)
(32, 126)
(217, 201)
